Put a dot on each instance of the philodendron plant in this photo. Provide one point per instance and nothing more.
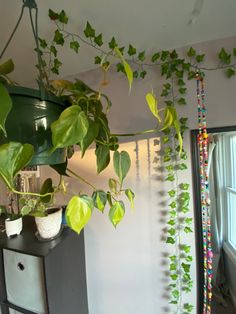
(15, 156)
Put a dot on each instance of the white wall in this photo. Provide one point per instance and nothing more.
(125, 267)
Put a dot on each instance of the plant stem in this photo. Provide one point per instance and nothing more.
(81, 178)
(137, 133)
(30, 193)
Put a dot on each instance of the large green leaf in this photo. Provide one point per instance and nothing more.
(121, 164)
(6, 105)
(91, 134)
(78, 212)
(99, 199)
(116, 212)
(70, 128)
(6, 67)
(103, 157)
(13, 157)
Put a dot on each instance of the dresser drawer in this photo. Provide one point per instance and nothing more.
(24, 279)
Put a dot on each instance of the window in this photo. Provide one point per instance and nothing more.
(231, 190)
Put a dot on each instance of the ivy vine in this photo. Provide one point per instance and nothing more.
(175, 69)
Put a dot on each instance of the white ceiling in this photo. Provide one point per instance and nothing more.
(149, 24)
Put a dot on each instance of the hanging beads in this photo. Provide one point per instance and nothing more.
(204, 187)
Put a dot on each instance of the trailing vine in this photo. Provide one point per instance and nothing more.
(176, 70)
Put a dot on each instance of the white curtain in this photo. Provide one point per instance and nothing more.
(216, 190)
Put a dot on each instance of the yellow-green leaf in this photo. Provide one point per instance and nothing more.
(116, 212)
(130, 194)
(128, 70)
(6, 105)
(78, 212)
(152, 103)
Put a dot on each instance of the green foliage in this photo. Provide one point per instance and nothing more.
(130, 195)
(78, 212)
(100, 199)
(89, 31)
(121, 164)
(116, 212)
(224, 57)
(13, 157)
(103, 157)
(75, 45)
(6, 105)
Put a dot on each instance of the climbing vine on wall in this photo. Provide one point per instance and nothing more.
(175, 69)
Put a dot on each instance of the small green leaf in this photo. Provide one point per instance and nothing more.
(6, 105)
(97, 60)
(53, 15)
(116, 212)
(113, 185)
(181, 82)
(164, 55)
(156, 56)
(98, 40)
(58, 38)
(70, 128)
(53, 50)
(200, 58)
(143, 74)
(172, 193)
(184, 186)
(230, 72)
(130, 194)
(173, 204)
(112, 44)
(181, 101)
(141, 55)
(89, 31)
(182, 166)
(103, 157)
(25, 210)
(188, 230)
(191, 52)
(191, 75)
(171, 222)
(224, 56)
(189, 258)
(170, 240)
(175, 293)
(182, 91)
(75, 45)
(63, 18)
(188, 221)
(78, 212)
(121, 164)
(170, 178)
(131, 50)
(171, 231)
(135, 74)
(99, 199)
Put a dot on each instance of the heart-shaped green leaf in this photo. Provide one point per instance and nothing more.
(103, 157)
(130, 194)
(91, 134)
(70, 128)
(121, 164)
(78, 212)
(6, 105)
(116, 212)
(13, 157)
(100, 199)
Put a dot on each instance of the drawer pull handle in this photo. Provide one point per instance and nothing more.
(20, 266)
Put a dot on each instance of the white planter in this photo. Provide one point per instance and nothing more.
(13, 227)
(49, 226)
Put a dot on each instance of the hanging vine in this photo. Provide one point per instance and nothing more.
(176, 70)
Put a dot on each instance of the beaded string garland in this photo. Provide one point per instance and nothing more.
(205, 201)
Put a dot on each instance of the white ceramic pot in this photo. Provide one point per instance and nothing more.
(49, 226)
(13, 227)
